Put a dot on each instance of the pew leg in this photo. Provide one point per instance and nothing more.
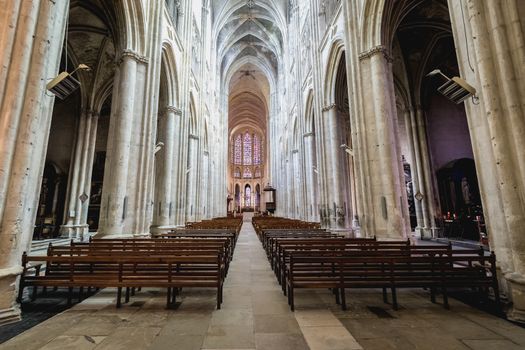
(133, 291)
(336, 293)
(35, 290)
(44, 290)
(20, 292)
(394, 298)
(343, 299)
(168, 298)
(292, 304)
(385, 296)
(445, 299)
(433, 295)
(119, 297)
(174, 296)
(80, 294)
(69, 295)
(126, 299)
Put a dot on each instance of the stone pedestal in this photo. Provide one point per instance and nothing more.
(516, 294)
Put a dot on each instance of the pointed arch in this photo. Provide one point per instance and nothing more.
(336, 53)
(169, 76)
(193, 128)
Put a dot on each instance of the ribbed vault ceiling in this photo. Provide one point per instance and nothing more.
(249, 44)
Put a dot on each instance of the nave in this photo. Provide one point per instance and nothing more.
(255, 315)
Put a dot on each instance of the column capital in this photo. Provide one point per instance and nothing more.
(134, 55)
(379, 49)
(329, 107)
(173, 109)
(92, 113)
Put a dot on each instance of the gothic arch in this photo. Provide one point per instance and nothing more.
(131, 18)
(169, 75)
(336, 53)
(309, 113)
(193, 126)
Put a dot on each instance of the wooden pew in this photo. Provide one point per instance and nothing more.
(128, 271)
(373, 269)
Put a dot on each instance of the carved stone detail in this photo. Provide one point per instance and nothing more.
(380, 49)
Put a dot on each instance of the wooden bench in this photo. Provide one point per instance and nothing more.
(375, 270)
(128, 271)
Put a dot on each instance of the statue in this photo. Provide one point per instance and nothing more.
(465, 190)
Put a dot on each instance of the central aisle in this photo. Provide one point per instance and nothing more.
(255, 313)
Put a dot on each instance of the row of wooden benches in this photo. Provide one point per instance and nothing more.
(303, 258)
(172, 260)
(261, 223)
(218, 223)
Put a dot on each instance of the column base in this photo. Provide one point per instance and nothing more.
(425, 232)
(9, 309)
(10, 315)
(516, 286)
(78, 232)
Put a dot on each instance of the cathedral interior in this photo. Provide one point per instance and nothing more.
(142, 139)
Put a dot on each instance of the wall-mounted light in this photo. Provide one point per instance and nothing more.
(65, 84)
(455, 89)
(158, 147)
(347, 149)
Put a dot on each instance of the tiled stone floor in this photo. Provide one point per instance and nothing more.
(255, 315)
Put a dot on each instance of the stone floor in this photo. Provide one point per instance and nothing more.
(255, 315)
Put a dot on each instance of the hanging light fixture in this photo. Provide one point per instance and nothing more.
(455, 89)
(65, 84)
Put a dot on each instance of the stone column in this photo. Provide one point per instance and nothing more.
(176, 169)
(297, 185)
(427, 183)
(335, 170)
(498, 51)
(204, 189)
(387, 200)
(191, 182)
(115, 202)
(31, 43)
(164, 167)
(311, 182)
(75, 225)
(413, 146)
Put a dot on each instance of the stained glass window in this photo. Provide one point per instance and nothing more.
(237, 173)
(247, 149)
(247, 173)
(257, 173)
(256, 150)
(247, 196)
(238, 150)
